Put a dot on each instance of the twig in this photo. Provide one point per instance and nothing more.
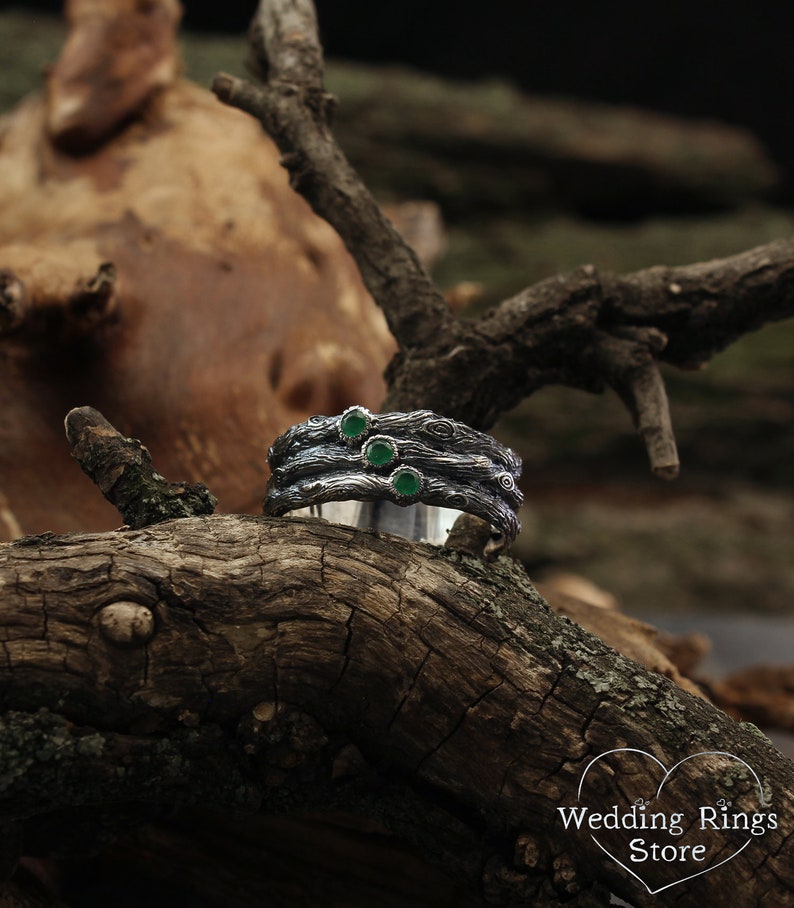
(649, 403)
(295, 111)
(628, 362)
(575, 329)
(122, 469)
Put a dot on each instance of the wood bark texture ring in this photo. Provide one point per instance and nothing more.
(399, 457)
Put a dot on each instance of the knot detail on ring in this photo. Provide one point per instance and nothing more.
(398, 457)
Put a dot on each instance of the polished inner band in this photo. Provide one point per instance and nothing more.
(398, 457)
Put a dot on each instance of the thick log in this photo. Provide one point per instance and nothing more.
(301, 640)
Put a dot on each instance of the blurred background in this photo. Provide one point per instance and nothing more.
(538, 137)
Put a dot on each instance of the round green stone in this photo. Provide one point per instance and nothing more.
(379, 452)
(407, 482)
(353, 423)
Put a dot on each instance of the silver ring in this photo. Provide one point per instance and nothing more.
(399, 457)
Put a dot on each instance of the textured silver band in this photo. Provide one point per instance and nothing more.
(399, 457)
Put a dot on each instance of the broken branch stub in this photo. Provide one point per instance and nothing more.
(122, 469)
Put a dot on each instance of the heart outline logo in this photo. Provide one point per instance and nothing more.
(667, 774)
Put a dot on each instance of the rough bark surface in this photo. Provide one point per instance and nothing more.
(122, 469)
(294, 641)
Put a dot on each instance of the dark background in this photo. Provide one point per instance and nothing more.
(726, 59)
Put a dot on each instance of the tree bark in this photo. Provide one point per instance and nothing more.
(293, 641)
(293, 666)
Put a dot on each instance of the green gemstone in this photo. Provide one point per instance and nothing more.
(379, 452)
(353, 423)
(406, 482)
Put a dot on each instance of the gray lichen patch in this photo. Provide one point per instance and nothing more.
(27, 739)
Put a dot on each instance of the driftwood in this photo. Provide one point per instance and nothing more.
(121, 267)
(295, 666)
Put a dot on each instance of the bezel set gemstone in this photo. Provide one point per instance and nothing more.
(424, 457)
(380, 451)
(354, 423)
(406, 482)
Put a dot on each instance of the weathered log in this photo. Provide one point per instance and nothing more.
(300, 639)
(282, 861)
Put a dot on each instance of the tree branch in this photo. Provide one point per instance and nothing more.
(302, 640)
(296, 111)
(563, 330)
(122, 469)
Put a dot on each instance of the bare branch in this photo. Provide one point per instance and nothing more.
(295, 111)
(628, 363)
(122, 469)
(579, 329)
(585, 329)
(284, 37)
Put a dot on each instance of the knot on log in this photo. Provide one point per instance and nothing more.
(55, 293)
(12, 299)
(126, 624)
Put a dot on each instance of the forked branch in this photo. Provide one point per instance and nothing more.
(583, 329)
